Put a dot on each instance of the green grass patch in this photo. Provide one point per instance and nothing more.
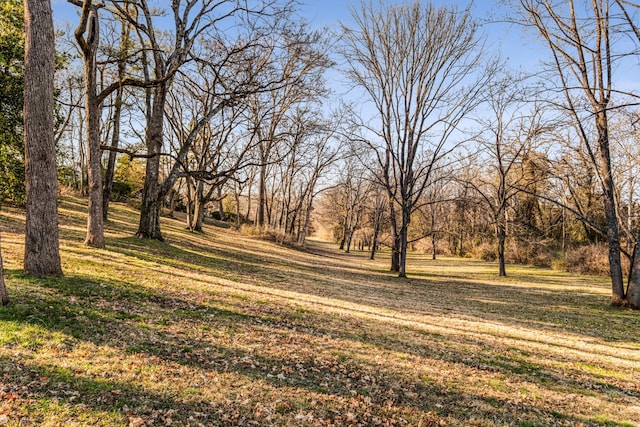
(224, 329)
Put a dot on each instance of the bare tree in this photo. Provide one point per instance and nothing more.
(298, 62)
(87, 35)
(311, 152)
(416, 63)
(581, 40)
(507, 138)
(122, 55)
(41, 255)
(216, 152)
(320, 157)
(377, 209)
(192, 19)
(432, 217)
(351, 195)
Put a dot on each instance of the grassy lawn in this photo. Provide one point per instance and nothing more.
(222, 329)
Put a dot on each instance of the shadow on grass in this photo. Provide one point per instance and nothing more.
(133, 320)
(563, 309)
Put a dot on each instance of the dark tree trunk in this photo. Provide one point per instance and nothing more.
(434, 246)
(4, 295)
(403, 241)
(395, 236)
(249, 186)
(198, 213)
(374, 240)
(395, 255)
(223, 217)
(262, 195)
(111, 162)
(344, 235)
(501, 235)
(41, 253)
(434, 239)
(95, 222)
(613, 233)
(633, 290)
(190, 204)
(149, 226)
(236, 196)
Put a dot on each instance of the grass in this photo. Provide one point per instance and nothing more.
(224, 329)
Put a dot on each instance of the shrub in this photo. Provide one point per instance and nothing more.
(486, 252)
(539, 254)
(250, 230)
(257, 231)
(120, 191)
(588, 259)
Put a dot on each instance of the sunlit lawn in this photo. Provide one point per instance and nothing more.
(222, 329)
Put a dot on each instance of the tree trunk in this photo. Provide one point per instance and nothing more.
(434, 245)
(374, 240)
(249, 188)
(223, 217)
(434, 240)
(613, 233)
(262, 195)
(200, 201)
(111, 162)
(173, 194)
(236, 196)
(501, 236)
(198, 215)
(41, 253)
(190, 204)
(633, 290)
(395, 236)
(95, 222)
(87, 35)
(343, 239)
(4, 295)
(149, 226)
(403, 241)
(302, 235)
(82, 156)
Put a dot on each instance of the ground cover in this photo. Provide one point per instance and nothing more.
(224, 329)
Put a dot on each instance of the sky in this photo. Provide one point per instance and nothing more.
(329, 13)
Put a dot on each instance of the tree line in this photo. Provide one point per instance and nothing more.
(224, 103)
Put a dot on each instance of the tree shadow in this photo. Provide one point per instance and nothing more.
(561, 307)
(138, 320)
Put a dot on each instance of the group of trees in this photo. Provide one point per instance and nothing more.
(530, 159)
(224, 101)
(218, 107)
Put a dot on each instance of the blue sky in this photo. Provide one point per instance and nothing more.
(328, 13)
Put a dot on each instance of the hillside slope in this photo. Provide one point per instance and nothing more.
(223, 329)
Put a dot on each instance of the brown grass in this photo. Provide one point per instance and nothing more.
(223, 329)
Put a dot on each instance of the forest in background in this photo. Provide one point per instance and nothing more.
(226, 109)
